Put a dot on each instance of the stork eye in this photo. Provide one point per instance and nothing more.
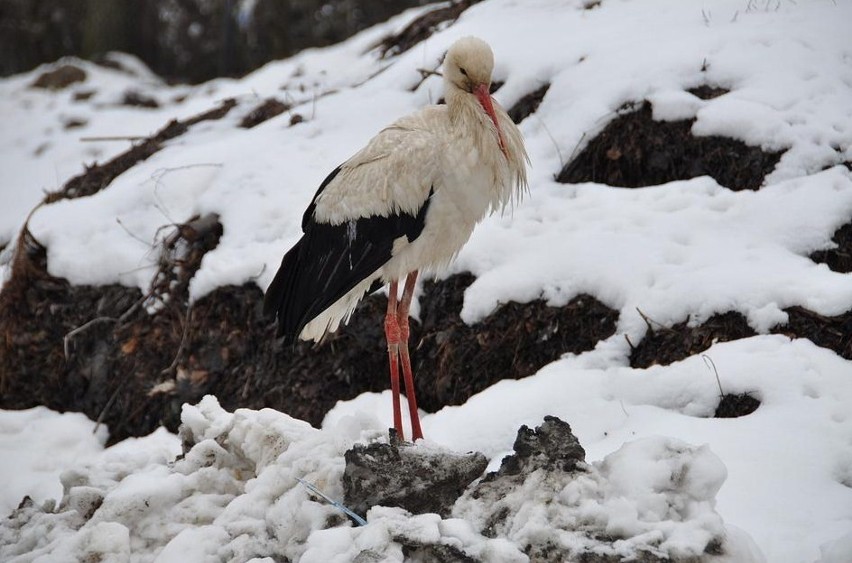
(463, 71)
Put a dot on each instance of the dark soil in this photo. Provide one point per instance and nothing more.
(706, 92)
(133, 368)
(60, 78)
(527, 104)
(422, 28)
(664, 345)
(136, 99)
(454, 361)
(838, 259)
(98, 176)
(635, 151)
(829, 332)
(735, 406)
(268, 109)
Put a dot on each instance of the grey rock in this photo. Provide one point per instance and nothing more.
(415, 478)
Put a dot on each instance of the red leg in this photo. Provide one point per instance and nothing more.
(392, 334)
(402, 316)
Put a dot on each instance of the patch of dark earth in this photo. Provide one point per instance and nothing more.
(59, 78)
(707, 92)
(635, 151)
(136, 99)
(266, 110)
(838, 259)
(736, 405)
(663, 345)
(528, 104)
(133, 370)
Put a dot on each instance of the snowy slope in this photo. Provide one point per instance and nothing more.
(682, 250)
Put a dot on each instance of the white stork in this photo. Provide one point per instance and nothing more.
(405, 203)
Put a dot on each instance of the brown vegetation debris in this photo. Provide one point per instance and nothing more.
(636, 151)
(268, 109)
(422, 28)
(838, 259)
(59, 78)
(98, 176)
(181, 256)
(665, 345)
(528, 104)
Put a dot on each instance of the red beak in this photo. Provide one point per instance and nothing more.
(484, 98)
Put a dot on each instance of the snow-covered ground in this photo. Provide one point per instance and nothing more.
(682, 250)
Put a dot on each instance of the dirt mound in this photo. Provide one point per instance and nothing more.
(132, 360)
(635, 151)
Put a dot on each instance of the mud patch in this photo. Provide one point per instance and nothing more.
(665, 345)
(528, 104)
(59, 78)
(270, 108)
(838, 259)
(98, 176)
(423, 27)
(635, 151)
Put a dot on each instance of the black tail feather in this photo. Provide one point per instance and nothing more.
(329, 261)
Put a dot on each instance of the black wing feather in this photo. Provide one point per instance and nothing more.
(329, 260)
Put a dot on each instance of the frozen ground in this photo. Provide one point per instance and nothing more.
(683, 249)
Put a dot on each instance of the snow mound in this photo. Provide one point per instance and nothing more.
(234, 495)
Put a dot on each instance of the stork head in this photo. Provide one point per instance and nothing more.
(468, 67)
(468, 64)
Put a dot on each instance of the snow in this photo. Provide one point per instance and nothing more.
(683, 250)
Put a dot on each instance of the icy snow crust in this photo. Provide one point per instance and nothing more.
(681, 250)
